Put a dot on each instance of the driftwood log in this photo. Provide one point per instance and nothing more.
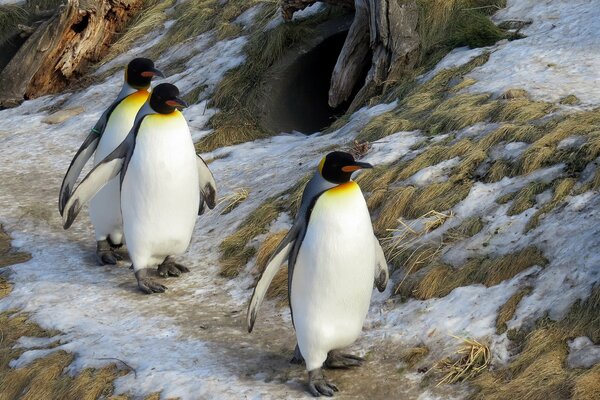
(61, 48)
(386, 27)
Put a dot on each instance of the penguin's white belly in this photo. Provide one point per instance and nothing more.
(105, 207)
(160, 192)
(333, 275)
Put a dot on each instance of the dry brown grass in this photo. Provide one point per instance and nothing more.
(508, 309)
(522, 110)
(412, 356)
(587, 385)
(233, 200)
(384, 125)
(539, 370)
(562, 188)
(152, 16)
(7, 255)
(471, 359)
(410, 202)
(570, 100)
(515, 94)
(234, 253)
(469, 227)
(525, 198)
(438, 280)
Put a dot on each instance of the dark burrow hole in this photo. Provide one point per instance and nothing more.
(81, 25)
(300, 103)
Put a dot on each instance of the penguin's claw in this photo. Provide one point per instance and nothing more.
(105, 253)
(149, 286)
(318, 385)
(146, 284)
(171, 268)
(337, 359)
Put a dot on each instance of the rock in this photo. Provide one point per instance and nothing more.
(63, 115)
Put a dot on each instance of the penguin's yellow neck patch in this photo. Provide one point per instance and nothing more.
(134, 101)
(344, 189)
(139, 96)
(321, 164)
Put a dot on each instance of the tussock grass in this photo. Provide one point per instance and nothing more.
(45, 378)
(468, 228)
(587, 385)
(384, 125)
(544, 152)
(461, 111)
(515, 93)
(152, 16)
(539, 371)
(403, 248)
(562, 188)
(234, 253)
(266, 249)
(525, 198)
(441, 279)
(412, 356)
(375, 183)
(410, 202)
(7, 255)
(233, 200)
(508, 309)
(522, 110)
(445, 24)
(470, 360)
(195, 17)
(498, 170)
(570, 100)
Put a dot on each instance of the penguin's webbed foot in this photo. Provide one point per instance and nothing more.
(297, 358)
(147, 284)
(337, 359)
(171, 268)
(105, 254)
(318, 385)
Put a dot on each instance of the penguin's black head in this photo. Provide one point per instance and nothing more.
(140, 72)
(338, 166)
(165, 99)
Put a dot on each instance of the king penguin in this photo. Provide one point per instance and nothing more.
(334, 259)
(105, 136)
(164, 186)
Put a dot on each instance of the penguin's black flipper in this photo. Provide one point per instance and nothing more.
(102, 173)
(88, 147)
(381, 268)
(208, 187)
(277, 259)
(81, 157)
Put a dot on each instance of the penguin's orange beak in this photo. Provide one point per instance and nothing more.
(356, 166)
(177, 103)
(152, 72)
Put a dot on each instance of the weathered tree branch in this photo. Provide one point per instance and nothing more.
(61, 49)
(353, 57)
